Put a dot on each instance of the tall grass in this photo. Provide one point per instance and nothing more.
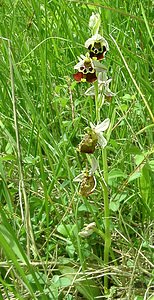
(46, 38)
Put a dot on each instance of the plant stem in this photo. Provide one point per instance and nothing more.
(105, 194)
(106, 216)
(97, 102)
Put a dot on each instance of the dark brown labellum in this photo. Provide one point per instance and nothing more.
(88, 185)
(97, 51)
(88, 144)
(89, 77)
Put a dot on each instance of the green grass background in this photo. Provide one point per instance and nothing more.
(46, 39)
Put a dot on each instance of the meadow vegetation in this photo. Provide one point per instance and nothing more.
(44, 113)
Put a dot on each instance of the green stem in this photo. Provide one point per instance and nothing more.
(105, 194)
(106, 216)
(97, 102)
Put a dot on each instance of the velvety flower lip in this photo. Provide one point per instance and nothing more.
(97, 46)
(93, 137)
(89, 77)
(89, 142)
(87, 185)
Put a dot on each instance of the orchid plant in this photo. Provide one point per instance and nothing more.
(91, 69)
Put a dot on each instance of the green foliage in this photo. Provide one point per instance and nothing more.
(53, 111)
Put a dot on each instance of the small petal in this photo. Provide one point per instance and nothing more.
(102, 141)
(103, 126)
(98, 66)
(91, 225)
(88, 230)
(78, 178)
(108, 93)
(96, 38)
(90, 91)
(94, 165)
(78, 65)
(85, 233)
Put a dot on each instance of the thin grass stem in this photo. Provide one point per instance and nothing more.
(22, 190)
(134, 81)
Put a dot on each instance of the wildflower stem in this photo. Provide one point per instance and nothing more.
(105, 193)
(106, 216)
(97, 102)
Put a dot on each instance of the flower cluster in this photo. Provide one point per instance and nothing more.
(89, 65)
(89, 69)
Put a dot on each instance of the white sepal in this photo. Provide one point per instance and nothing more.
(102, 141)
(103, 126)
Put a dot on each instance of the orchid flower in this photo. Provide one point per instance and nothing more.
(97, 46)
(94, 23)
(87, 69)
(93, 137)
(98, 129)
(87, 179)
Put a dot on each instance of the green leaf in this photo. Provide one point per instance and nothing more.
(11, 242)
(127, 97)
(61, 281)
(70, 250)
(8, 157)
(63, 101)
(123, 107)
(66, 230)
(9, 148)
(139, 159)
(115, 173)
(114, 205)
(134, 176)
(145, 183)
(87, 287)
(133, 150)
